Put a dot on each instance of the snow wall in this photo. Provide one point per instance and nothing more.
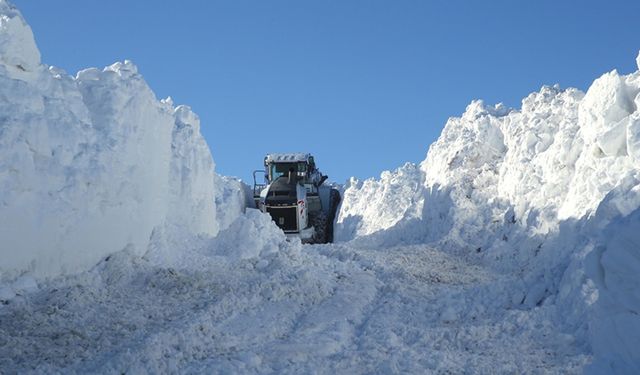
(542, 192)
(93, 164)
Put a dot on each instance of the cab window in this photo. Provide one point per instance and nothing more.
(282, 169)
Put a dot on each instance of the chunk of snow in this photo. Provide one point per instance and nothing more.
(232, 196)
(633, 138)
(250, 236)
(607, 103)
(18, 51)
(616, 325)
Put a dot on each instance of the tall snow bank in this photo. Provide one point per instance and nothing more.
(493, 168)
(91, 164)
(529, 192)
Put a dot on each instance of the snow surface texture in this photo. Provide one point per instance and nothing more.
(91, 164)
(529, 192)
(286, 309)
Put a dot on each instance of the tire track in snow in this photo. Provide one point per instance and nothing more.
(436, 313)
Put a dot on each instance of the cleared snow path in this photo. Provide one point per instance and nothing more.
(322, 309)
(437, 314)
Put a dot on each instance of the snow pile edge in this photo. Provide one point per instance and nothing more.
(530, 192)
(92, 164)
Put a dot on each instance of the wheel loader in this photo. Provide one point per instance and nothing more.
(294, 194)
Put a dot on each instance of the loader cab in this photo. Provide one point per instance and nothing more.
(301, 167)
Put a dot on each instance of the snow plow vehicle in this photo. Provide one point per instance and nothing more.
(294, 195)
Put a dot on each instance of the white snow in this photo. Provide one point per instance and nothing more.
(392, 190)
(527, 193)
(613, 266)
(301, 309)
(232, 196)
(512, 248)
(249, 236)
(92, 164)
(18, 51)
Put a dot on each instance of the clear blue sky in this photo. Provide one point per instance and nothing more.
(364, 85)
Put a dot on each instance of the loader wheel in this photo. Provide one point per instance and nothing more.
(319, 222)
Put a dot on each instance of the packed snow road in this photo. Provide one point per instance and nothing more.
(306, 309)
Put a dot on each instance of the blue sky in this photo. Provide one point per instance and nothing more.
(364, 85)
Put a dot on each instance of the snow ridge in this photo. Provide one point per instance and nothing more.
(529, 192)
(92, 164)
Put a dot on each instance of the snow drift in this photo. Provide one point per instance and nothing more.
(91, 164)
(531, 191)
(552, 160)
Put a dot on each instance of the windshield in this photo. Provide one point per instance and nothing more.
(282, 169)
